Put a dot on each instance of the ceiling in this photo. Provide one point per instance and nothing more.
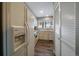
(41, 9)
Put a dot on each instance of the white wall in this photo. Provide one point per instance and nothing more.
(65, 28)
(68, 28)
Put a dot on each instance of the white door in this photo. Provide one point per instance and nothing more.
(57, 31)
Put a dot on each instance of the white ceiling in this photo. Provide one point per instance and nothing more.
(45, 7)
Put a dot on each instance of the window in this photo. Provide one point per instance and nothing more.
(40, 25)
(45, 24)
(48, 24)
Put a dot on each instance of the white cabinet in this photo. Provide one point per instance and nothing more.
(43, 35)
(46, 35)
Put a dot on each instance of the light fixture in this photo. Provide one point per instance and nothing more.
(41, 11)
(46, 15)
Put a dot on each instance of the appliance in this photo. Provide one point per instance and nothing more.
(18, 36)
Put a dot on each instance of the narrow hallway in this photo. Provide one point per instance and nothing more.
(39, 29)
(44, 48)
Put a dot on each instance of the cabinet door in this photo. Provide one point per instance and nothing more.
(57, 31)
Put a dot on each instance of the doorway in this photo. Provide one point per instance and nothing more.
(44, 32)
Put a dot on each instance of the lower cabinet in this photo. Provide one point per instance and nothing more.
(46, 35)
